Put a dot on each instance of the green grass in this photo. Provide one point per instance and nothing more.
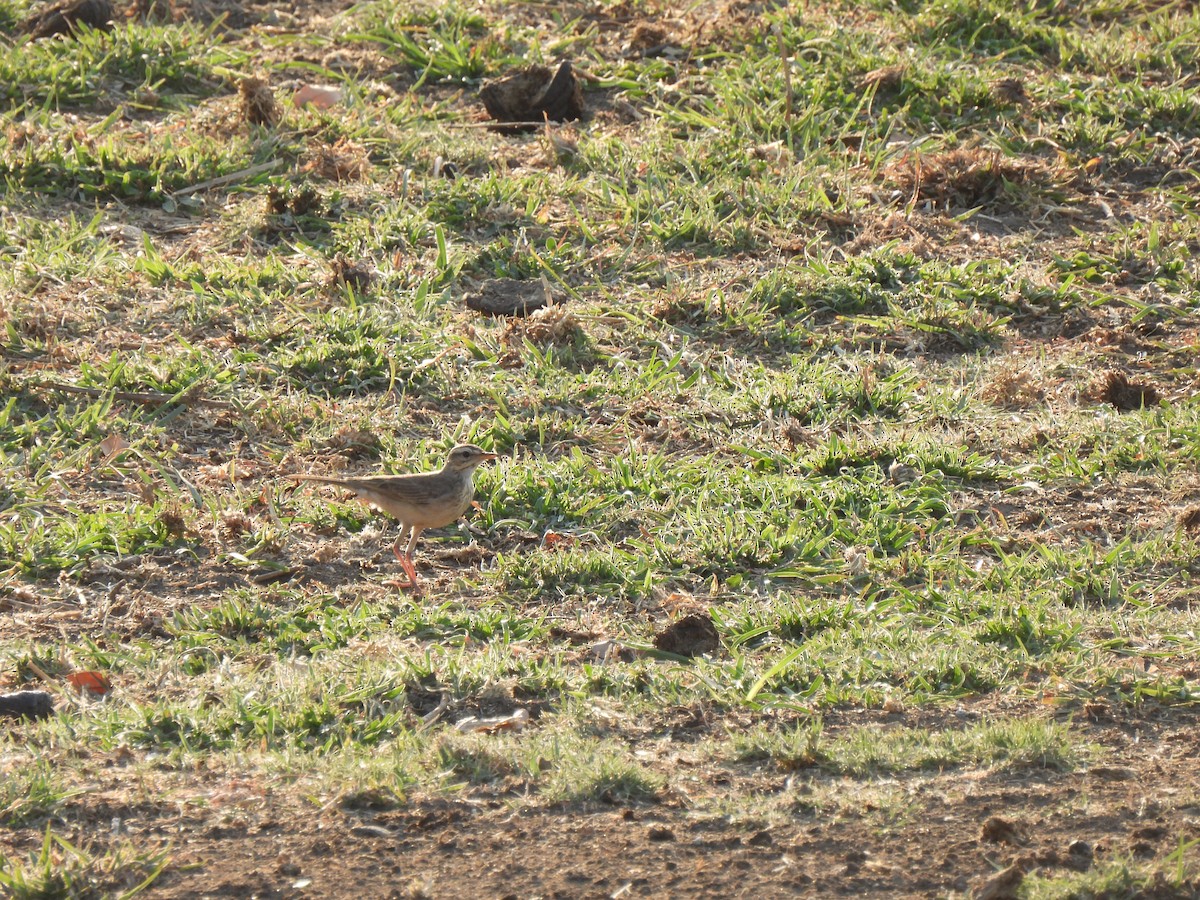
(62, 869)
(1013, 744)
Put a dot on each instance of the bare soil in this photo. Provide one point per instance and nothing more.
(923, 834)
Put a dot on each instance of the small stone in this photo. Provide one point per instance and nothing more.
(1081, 849)
(376, 831)
(1114, 773)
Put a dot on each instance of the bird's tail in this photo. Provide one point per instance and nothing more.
(323, 479)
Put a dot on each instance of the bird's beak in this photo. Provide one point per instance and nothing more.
(488, 456)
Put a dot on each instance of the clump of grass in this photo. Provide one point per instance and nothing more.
(61, 869)
(1005, 744)
(797, 747)
(31, 795)
(603, 772)
(869, 751)
(474, 759)
(1175, 876)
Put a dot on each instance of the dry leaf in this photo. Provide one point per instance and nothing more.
(552, 540)
(322, 96)
(112, 445)
(92, 682)
(515, 721)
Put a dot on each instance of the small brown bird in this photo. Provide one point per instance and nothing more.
(420, 501)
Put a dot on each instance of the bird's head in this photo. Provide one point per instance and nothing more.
(466, 457)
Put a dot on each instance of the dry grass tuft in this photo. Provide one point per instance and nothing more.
(677, 309)
(966, 178)
(1014, 386)
(354, 443)
(548, 325)
(173, 519)
(1011, 91)
(343, 161)
(235, 522)
(258, 102)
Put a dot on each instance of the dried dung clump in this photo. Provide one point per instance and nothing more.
(1189, 520)
(887, 78)
(510, 297)
(299, 200)
(1115, 388)
(26, 705)
(998, 830)
(258, 102)
(67, 15)
(691, 636)
(1010, 91)
(534, 94)
(646, 35)
(966, 178)
(356, 274)
(650, 39)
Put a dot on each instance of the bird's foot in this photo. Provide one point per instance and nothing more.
(410, 570)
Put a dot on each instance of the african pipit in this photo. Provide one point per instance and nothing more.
(425, 500)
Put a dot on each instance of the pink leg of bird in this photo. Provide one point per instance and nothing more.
(406, 560)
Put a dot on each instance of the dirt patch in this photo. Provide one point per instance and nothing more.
(918, 834)
(693, 635)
